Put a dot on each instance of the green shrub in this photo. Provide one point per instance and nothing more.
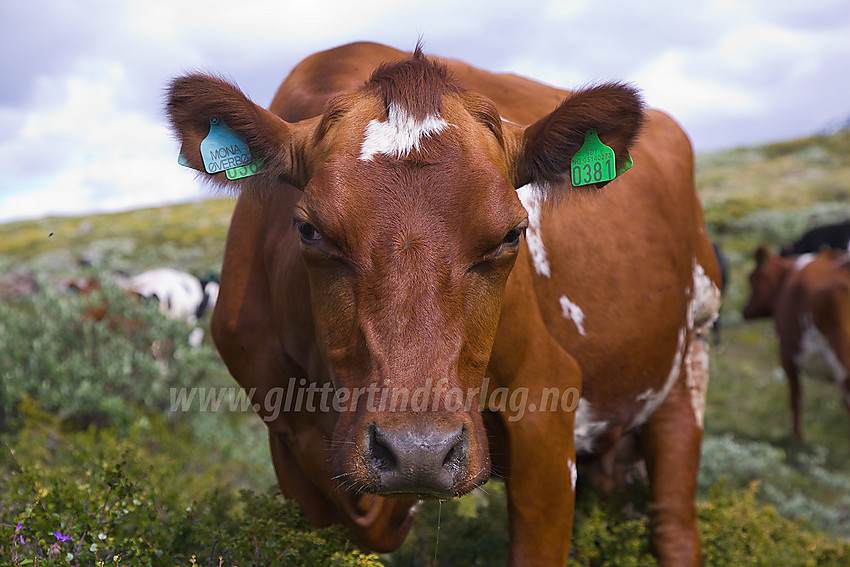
(736, 530)
(794, 482)
(96, 372)
(133, 498)
(472, 530)
(613, 531)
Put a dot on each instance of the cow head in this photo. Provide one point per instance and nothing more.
(765, 282)
(409, 225)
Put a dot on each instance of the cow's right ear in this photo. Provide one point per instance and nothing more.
(543, 151)
(197, 103)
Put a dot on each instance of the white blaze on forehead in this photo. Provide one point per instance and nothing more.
(399, 135)
(573, 312)
(529, 195)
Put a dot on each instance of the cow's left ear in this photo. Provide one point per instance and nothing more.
(214, 121)
(545, 149)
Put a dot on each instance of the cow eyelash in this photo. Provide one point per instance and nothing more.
(513, 236)
(509, 243)
(309, 234)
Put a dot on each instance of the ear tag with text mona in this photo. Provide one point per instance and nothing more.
(223, 148)
(593, 163)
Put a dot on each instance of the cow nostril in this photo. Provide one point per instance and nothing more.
(449, 456)
(456, 448)
(380, 452)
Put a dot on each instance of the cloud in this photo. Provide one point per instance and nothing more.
(82, 125)
(78, 149)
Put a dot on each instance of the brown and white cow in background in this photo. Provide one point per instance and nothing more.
(809, 299)
(379, 250)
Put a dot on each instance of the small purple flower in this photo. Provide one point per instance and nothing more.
(18, 527)
(61, 537)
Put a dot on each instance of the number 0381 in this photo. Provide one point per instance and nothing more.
(592, 173)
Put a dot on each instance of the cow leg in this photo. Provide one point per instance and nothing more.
(670, 441)
(795, 393)
(844, 385)
(541, 474)
(836, 317)
(541, 489)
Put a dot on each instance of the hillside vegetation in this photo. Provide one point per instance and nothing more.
(91, 449)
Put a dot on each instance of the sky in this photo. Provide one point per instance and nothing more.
(82, 126)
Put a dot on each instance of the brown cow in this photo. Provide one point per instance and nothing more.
(378, 252)
(809, 299)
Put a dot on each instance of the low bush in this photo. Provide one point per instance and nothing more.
(95, 359)
(613, 531)
(110, 497)
(737, 530)
(794, 482)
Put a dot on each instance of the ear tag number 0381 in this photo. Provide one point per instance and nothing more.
(252, 168)
(594, 162)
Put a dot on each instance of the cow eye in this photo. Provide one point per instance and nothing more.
(308, 232)
(512, 237)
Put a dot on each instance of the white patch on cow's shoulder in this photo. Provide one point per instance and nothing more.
(399, 135)
(574, 313)
(816, 357)
(573, 473)
(531, 199)
(587, 429)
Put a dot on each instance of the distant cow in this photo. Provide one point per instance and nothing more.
(180, 295)
(809, 299)
(379, 249)
(835, 236)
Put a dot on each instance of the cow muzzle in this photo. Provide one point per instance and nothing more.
(425, 457)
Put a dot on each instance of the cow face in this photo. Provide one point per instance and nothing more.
(765, 282)
(409, 225)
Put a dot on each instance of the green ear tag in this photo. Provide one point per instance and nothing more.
(252, 168)
(223, 148)
(593, 163)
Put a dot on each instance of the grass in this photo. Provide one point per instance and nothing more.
(771, 195)
(188, 235)
(760, 490)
